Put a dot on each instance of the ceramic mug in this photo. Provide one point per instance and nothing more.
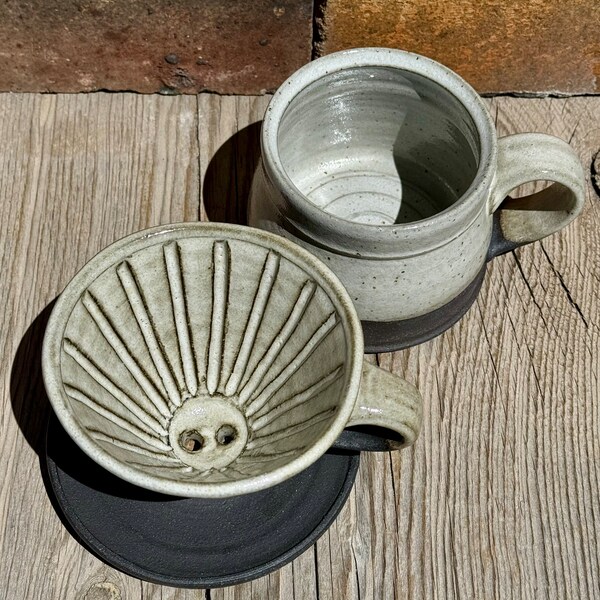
(211, 360)
(387, 166)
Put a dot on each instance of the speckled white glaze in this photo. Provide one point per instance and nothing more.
(211, 360)
(387, 166)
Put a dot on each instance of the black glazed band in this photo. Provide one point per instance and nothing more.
(388, 336)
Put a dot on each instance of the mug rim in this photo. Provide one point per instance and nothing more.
(109, 257)
(462, 212)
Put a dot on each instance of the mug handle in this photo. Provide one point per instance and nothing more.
(526, 157)
(387, 413)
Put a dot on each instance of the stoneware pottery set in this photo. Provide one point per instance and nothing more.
(210, 395)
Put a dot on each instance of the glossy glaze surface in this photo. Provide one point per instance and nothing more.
(211, 360)
(378, 146)
(386, 165)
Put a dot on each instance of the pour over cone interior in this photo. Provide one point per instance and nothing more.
(203, 360)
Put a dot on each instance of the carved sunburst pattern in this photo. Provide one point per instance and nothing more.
(204, 360)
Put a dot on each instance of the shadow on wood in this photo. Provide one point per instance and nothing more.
(28, 397)
(229, 176)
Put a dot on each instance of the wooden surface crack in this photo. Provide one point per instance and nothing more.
(564, 287)
(316, 559)
(526, 281)
(357, 578)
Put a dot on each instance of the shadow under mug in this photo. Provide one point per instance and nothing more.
(211, 360)
(387, 166)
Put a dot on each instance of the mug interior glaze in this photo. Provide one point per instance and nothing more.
(333, 113)
(378, 145)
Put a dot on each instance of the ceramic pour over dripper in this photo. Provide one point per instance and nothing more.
(210, 360)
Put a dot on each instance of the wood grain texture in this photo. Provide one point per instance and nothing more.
(500, 496)
(76, 173)
(229, 142)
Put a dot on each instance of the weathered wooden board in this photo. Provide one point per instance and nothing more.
(499, 498)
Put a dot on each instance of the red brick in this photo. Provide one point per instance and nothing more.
(220, 45)
(496, 45)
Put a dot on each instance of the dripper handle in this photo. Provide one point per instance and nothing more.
(387, 414)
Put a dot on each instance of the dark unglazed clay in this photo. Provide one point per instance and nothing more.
(398, 335)
(389, 336)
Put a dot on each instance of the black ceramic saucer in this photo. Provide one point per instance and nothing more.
(192, 542)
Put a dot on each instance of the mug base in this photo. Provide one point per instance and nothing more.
(192, 542)
(389, 336)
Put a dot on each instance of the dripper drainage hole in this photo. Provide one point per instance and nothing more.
(226, 434)
(208, 433)
(191, 441)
